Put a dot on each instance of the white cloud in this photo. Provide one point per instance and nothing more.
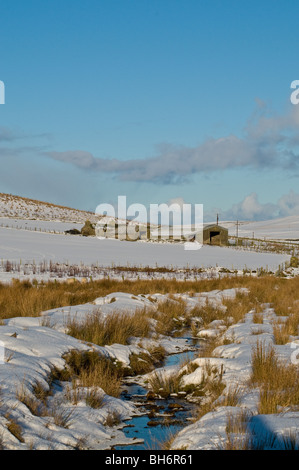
(251, 209)
(179, 201)
(289, 204)
(269, 141)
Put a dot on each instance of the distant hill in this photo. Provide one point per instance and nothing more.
(25, 208)
(18, 207)
(285, 228)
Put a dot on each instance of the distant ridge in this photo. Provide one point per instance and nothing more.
(26, 208)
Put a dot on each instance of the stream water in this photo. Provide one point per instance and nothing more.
(161, 418)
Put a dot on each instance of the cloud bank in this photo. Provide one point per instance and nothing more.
(268, 142)
(251, 209)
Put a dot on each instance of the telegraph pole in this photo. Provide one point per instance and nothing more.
(237, 231)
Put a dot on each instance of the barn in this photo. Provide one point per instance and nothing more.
(214, 234)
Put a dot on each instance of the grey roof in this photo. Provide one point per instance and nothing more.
(208, 226)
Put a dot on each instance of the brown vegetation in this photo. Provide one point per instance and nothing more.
(25, 298)
(277, 380)
(114, 328)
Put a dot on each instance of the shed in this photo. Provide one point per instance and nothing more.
(214, 234)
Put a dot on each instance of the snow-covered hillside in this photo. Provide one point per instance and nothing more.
(24, 208)
(286, 228)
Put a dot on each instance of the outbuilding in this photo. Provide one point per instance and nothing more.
(214, 234)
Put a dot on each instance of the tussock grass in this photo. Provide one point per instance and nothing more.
(237, 423)
(146, 361)
(171, 315)
(113, 419)
(158, 353)
(59, 375)
(232, 396)
(114, 328)
(257, 318)
(283, 330)
(278, 381)
(208, 313)
(237, 308)
(36, 405)
(94, 398)
(237, 443)
(207, 406)
(62, 416)
(264, 364)
(292, 323)
(74, 392)
(39, 406)
(281, 334)
(237, 435)
(141, 363)
(213, 385)
(91, 370)
(40, 392)
(165, 385)
(14, 428)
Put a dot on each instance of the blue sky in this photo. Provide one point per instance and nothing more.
(156, 100)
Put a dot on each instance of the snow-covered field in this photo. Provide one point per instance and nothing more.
(16, 245)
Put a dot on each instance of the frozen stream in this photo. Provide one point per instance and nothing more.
(162, 418)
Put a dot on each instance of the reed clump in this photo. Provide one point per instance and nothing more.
(117, 327)
(278, 381)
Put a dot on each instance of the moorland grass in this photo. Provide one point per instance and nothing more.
(30, 298)
(103, 330)
(277, 380)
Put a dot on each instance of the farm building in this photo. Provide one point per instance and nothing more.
(214, 234)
